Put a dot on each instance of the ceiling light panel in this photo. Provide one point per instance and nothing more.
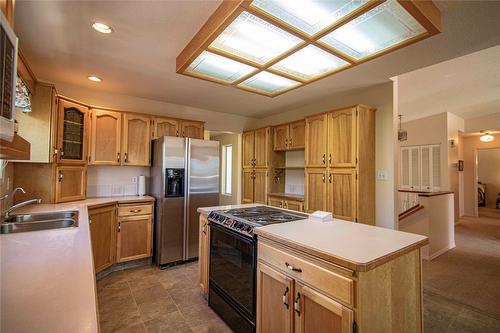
(253, 39)
(378, 29)
(219, 68)
(268, 83)
(308, 16)
(309, 63)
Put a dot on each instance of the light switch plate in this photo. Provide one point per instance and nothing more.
(382, 175)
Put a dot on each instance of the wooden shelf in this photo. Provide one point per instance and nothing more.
(291, 167)
(18, 149)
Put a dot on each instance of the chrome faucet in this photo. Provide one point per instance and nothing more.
(12, 207)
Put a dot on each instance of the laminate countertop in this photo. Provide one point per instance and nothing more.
(47, 277)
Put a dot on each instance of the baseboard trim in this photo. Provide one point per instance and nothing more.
(440, 252)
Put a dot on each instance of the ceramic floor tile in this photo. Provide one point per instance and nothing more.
(149, 294)
(170, 323)
(157, 308)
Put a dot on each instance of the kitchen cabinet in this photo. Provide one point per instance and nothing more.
(102, 222)
(281, 134)
(204, 251)
(248, 139)
(315, 190)
(341, 196)
(105, 137)
(164, 127)
(316, 140)
(285, 202)
(248, 186)
(134, 236)
(261, 151)
(71, 183)
(260, 178)
(192, 129)
(136, 141)
(289, 136)
(73, 123)
(342, 138)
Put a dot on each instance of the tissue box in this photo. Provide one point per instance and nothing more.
(321, 216)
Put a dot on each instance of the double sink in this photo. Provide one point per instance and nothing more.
(35, 222)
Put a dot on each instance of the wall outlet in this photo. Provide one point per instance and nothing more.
(382, 175)
(134, 179)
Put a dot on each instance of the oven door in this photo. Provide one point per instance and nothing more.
(232, 267)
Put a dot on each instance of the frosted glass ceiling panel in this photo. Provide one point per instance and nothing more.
(378, 29)
(220, 68)
(268, 82)
(309, 62)
(309, 16)
(253, 39)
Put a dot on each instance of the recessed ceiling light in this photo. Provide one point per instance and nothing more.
(487, 137)
(102, 28)
(94, 78)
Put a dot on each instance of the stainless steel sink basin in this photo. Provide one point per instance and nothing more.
(43, 221)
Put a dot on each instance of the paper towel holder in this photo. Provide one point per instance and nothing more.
(141, 186)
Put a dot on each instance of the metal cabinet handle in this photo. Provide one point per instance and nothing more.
(126, 158)
(135, 210)
(330, 158)
(330, 178)
(60, 177)
(285, 298)
(290, 267)
(62, 152)
(204, 229)
(118, 157)
(281, 205)
(324, 158)
(119, 227)
(296, 304)
(323, 178)
(177, 133)
(183, 134)
(90, 221)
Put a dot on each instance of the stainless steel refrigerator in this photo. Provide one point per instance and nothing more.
(184, 176)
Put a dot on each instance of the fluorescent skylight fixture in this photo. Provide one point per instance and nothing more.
(268, 83)
(219, 68)
(378, 29)
(94, 78)
(309, 16)
(309, 62)
(102, 28)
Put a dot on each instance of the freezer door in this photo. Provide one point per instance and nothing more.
(170, 231)
(203, 187)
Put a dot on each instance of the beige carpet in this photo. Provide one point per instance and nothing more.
(462, 287)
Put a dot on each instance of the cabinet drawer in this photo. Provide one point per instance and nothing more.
(132, 210)
(329, 282)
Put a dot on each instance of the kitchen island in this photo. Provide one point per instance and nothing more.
(336, 276)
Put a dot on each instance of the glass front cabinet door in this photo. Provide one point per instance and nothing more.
(73, 121)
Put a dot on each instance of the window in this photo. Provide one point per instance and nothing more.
(227, 169)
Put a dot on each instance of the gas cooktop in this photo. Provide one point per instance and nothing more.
(243, 220)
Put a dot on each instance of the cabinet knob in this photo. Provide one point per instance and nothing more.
(60, 177)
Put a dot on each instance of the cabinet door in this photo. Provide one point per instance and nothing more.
(136, 140)
(204, 250)
(248, 186)
(274, 301)
(404, 177)
(414, 162)
(275, 202)
(248, 149)
(71, 183)
(102, 223)
(105, 137)
(315, 188)
(165, 127)
(294, 205)
(134, 238)
(260, 186)
(316, 313)
(192, 129)
(297, 136)
(341, 198)
(281, 137)
(342, 138)
(73, 121)
(316, 141)
(261, 148)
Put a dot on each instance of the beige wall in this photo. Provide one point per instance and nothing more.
(455, 126)
(489, 122)
(6, 180)
(488, 172)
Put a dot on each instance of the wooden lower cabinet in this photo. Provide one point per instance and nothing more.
(281, 202)
(71, 183)
(204, 250)
(134, 238)
(102, 222)
(275, 202)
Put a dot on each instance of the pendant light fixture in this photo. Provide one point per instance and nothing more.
(402, 134)
(486, 137)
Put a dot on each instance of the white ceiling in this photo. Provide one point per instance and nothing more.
(139, 58)
(467, 86)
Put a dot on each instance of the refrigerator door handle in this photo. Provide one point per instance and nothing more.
(187, 194)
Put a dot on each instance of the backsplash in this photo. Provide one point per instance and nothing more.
(294, 177)
(105, 181)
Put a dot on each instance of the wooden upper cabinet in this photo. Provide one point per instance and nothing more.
(275, 301)
(315, 190)
(297, 136)
(105, 137)
(165, 127)
(248, 186)
(316, 313)
(192, 129)
(342, 193)
(261, 147)
(136, 140)
(71, 183)
(73, 123)
(102, 222)
(342, 128)
(316, 140)
(248, 149)
(281, 135)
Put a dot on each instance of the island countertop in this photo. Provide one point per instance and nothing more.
(47, 276)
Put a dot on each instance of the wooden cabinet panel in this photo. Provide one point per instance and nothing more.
(294, 205)
(134, 240)
(275, 202)
(73, 121)
(102, 222)
(297, 135)
(274, 305)
(260, 186)
(134, 210)
(316, 313)
(165, 127)
(342, 138)
(192, 129)
(315, 189)
(316, 141)
(248, 188)
(342, 193)
(105, 137)
(261, 148)
(281, 135)
(136, 140)
(204, 251)
(71, 183)
(248, 149)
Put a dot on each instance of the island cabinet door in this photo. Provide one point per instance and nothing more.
(316, 141)
(260, 186)
(315, 188)
(102, 224)
(316, 313)
(204, 251)
(274, 301)
(134, 240)
(248, 149)
(341, 198)
(248, 186)
(342, 138)
(136, 140)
